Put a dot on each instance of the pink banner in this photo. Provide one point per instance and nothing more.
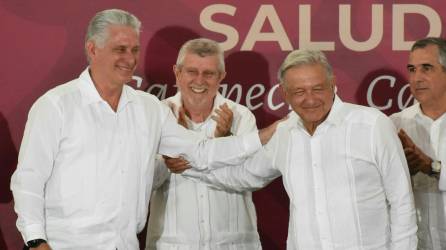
(367, 43)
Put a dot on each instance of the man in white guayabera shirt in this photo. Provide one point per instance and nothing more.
(423, 135)
(342, 166)
(185, 213)
(86, 162)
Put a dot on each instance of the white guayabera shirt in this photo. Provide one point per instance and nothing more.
(430, 203)
(348, 184)
(85, 172)
(188, 214)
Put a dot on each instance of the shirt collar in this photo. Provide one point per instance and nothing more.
(418, 114)
(335, 115)
(91, 95)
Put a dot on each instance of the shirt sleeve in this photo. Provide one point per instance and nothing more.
(391, 161)
(255, 173)
(161, 173)
(202, 154)
(36, 158)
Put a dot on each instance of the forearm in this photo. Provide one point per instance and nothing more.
(256, 172)
(209, 154)
(30, 212)
(235, 179)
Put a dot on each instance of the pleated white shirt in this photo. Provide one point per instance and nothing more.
(430, 202)
(188, 214)
(348, 183)
(85, 172)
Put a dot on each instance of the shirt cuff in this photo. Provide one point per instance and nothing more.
(33, 232)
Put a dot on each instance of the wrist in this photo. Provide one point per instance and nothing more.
(35, 243)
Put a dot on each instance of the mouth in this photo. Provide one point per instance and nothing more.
(421, 89)
(311, 108)
(198, 90)
(124, 68)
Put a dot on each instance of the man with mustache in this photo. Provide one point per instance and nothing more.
(86, 162)
(422, 130)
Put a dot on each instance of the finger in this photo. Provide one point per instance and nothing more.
(221, 115)
(179, 166)
(223, 122)
(175, 162)
(225, 108)
(225, 111)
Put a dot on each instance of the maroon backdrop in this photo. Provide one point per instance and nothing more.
(366, 42)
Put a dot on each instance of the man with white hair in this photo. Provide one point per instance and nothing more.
(342, 166)
(184, 213)
(86, 162)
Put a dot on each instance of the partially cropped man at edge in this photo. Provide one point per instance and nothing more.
(422, 130)
(185, 213)
(86, 161)
(342, 166)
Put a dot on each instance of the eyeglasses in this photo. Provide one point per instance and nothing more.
(207, 74)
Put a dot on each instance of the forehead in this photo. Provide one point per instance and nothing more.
(209, 62)
(426, 55)
(305, 76)
(122, 35)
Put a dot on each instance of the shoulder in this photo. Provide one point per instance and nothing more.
(362, 114)
(235, 107)
(148, 101)
(404, 116)
(59, 96)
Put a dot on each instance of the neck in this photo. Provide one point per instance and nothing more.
(433, 111)
(109, 92)
(311, 127)
(197, 112)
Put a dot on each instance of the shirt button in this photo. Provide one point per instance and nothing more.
(202, 221)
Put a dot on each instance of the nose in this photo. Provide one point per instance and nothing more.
(131, 58)
(416, 76)
(309, 98)
(200, 79)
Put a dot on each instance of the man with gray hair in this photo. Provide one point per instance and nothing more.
(422, 130)
(184, 213)
(342, 166)
(86, 162)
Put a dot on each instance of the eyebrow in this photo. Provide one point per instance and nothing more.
(423, 65)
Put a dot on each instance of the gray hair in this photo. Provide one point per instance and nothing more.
(97, 30)
(202, 47)
(439, 42)
(304, 57)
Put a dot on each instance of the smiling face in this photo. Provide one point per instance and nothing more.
(198, 79)
(310, 94)
(427, 77)
(114, 63)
